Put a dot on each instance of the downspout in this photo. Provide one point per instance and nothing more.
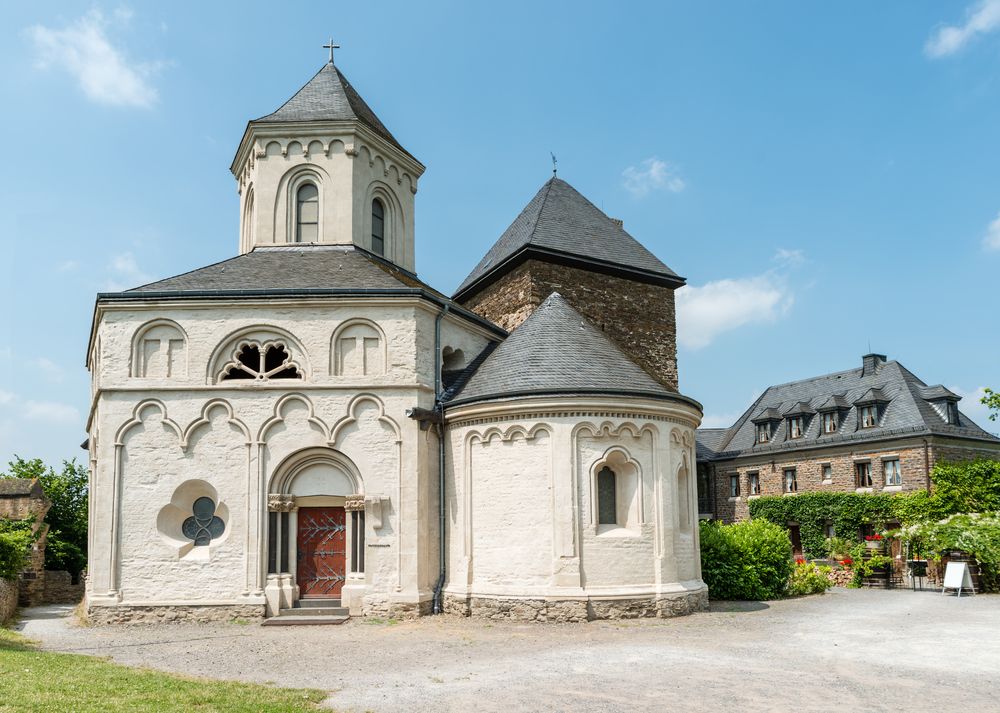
(927, 465)
(438, 604)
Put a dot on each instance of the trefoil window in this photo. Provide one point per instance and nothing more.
(204, 525)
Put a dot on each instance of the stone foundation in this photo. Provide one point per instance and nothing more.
(8, 600)
(385, 609)
(170, 614)
(577, 610)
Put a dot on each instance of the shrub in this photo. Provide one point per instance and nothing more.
(16, 537)
(747, 560)
(977, 535)
(808, 578)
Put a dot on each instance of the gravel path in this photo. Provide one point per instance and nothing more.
(849, 649)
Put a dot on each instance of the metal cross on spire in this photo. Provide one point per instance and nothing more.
(330, 46)
(554, 163)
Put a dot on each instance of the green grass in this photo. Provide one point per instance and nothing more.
(34, 680)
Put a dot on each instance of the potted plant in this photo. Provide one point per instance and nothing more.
(874, 542)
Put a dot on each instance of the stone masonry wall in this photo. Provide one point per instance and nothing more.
(639, 317)
(809, 465)
(59, 588)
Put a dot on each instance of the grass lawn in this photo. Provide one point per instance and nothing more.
(33, 680)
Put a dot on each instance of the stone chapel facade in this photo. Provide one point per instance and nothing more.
(309, 426)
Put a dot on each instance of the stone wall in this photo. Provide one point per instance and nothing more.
(59, 588)
(8, 600)
(639, 317)
(578, 610)
(163, 614)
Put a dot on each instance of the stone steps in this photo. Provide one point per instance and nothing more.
(311, 612)
(285, 620)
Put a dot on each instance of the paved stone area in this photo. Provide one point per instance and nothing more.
(846, 650)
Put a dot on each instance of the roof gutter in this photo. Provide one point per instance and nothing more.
(575, 392)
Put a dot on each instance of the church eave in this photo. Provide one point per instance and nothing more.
(559, 257)
(315, 128)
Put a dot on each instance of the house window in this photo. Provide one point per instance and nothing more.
(829, 422)
(827, 472)
(307, 214)
(791, 481)
(763, 432)
(754, 482)
(258, 362)
(607, 497)
(828, 529)
(734, 486)
(869, 416)
(863, 474)
(893, 473)
(357, 540)
(795, 429)
(952, 412)
(378, 227)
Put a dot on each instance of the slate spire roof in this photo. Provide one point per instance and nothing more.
(560, 222)
(329, 96)
(557, 351)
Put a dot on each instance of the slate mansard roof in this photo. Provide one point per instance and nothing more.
(556, 351)
(560, 223)
(329, 96)
(907, 407)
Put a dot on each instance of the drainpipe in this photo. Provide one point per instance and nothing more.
(439, 409)
(927, 465)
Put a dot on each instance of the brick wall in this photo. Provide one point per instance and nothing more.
(809, 466)
(638, 317)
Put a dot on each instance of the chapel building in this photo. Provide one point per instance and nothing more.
(309, 429)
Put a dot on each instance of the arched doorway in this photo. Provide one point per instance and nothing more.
(316, 527)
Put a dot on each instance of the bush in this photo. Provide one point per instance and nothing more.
(747, 560)
(16, 537)
(977, 535)
(808, 578)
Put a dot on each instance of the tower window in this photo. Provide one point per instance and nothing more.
(378, 227)
(307, 214)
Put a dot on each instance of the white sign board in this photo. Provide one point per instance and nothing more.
(956, 576)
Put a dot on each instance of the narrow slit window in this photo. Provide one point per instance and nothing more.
(307, 214)
(283, 516)
(378, 227)
(272, 542)
(358, 541)
(607, 497)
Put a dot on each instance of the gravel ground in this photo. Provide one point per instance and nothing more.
(849, 649)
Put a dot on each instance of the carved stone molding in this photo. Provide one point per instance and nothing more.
(354, 502)
(375, 507)
(280, 503)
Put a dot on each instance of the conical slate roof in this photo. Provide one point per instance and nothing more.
(557, 351)
(560, 221)
(329, 96)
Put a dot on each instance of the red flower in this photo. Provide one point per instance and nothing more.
(847, 561)
(800, 561)
(873, 538)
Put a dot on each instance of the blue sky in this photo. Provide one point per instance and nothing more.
(825, 175)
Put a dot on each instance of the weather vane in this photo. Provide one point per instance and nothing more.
(330, 46)
(554, 162)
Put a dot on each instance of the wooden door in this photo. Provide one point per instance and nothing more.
(322, 552)
(795, 536)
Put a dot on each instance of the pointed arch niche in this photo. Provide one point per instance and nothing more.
(615, 488)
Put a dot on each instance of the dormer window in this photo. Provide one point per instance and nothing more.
(307, 214)
(830, 422)
(378, 227)
(951, 413)
(795, 427)
(763, 432)
(869, 416)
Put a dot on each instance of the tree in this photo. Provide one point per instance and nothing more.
(991, 401)
(66, 546)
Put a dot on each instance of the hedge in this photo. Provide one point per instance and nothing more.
(747, 560)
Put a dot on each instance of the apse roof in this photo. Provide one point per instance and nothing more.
(559, 221)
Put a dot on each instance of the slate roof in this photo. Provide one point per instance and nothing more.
(20, 487)
(557, 351)
(707, 442)
(292, 267)
(907, 411)
(560, 221)
(329, 96)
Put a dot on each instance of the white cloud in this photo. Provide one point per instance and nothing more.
(51, 371)
(50, 411)
(981, 18)
(705, 312)
(84, 50)
(651, 175)
(124, 273)
(992, 239)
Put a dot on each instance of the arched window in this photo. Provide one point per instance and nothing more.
(307, 214)
(378, 227)
(607, 497)
(260, 362)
